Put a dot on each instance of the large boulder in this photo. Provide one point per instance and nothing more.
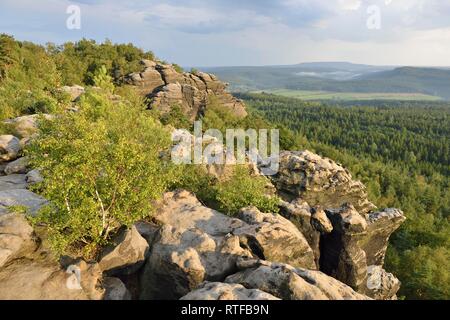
(182, 259)
(16, 237)
(226, 291)
(267, 235)
(275, 237)
(318, 181)
(197, 244)
(19, 166)
(41, 278)
(126, 254)
(10, 148)
(289, 283)
(147, 80)
(21, 197)
(310, 221)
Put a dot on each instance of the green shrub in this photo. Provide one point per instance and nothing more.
(102, 170)
(176, 118)
(243, 190)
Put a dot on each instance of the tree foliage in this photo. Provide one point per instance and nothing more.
(102, 169)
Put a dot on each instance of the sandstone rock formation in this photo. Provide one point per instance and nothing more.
(381, 285)
(191, 92)
(125, 254)
(43, 279)
(319, 181)
(226, 291)
(289, 283)
(380, 225)
(341, 254)
(181, 259)
(22, 198)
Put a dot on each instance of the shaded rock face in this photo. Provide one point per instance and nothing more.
(341, 254)
(289, 283)
(21, 197)
(226, 291)
(319, 181)
(191, 92)
(115, 289)
(357, 242)
(126, 254)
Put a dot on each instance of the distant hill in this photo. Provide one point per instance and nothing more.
(338, 77)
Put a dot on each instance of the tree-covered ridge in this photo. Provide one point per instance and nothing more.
(416, 134)
(31, 73)
(418, 183)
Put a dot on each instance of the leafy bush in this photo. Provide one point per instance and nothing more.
(176, 118)
(243, 190)
(102, 170)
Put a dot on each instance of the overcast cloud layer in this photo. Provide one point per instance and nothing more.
(240, 32)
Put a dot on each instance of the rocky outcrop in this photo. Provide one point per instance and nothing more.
(13, 181)
(275, 238)
(191, 92)
(226, 291)
(341, 254)
(197, 244)
(380, 226)
(381, 285)
(319, 181)
(289, 283)
(267, 235)
(22, 198)
(181, 259)
(126, 253)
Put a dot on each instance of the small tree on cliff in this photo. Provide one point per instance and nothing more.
(101, 167)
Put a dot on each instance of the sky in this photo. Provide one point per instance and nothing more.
(246, 32)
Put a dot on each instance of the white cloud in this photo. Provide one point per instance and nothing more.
(350, 4)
